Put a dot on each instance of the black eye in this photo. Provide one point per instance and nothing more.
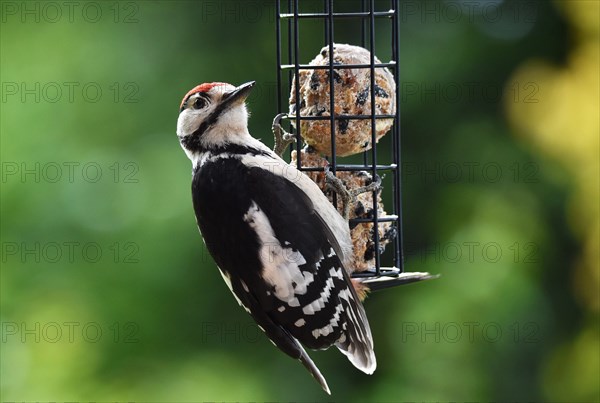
(199, 103)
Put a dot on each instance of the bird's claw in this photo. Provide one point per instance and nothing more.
(348, 196)
(282, 138)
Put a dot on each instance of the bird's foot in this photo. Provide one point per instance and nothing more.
(282, 138)
(348, 196)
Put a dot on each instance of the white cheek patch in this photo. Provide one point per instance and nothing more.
(231, 128)
(280, 264)
(190, 119)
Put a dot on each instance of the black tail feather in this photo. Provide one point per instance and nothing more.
(312, 368)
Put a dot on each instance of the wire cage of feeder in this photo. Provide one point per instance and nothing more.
(381, 160)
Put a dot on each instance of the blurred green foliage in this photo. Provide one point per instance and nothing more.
(108, 293)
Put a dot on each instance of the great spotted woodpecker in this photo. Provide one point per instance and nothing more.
(280, 245)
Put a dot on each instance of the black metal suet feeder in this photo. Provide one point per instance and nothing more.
(288, 16)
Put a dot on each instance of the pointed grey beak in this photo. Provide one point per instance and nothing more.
(238, 95)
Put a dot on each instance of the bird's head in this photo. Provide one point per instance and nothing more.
(213, 114)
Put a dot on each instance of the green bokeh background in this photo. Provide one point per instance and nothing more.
(500, 151)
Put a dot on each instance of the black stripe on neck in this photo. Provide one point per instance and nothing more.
(236, 149)
(192, 142)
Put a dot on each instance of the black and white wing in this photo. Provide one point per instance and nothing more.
(281, 261)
